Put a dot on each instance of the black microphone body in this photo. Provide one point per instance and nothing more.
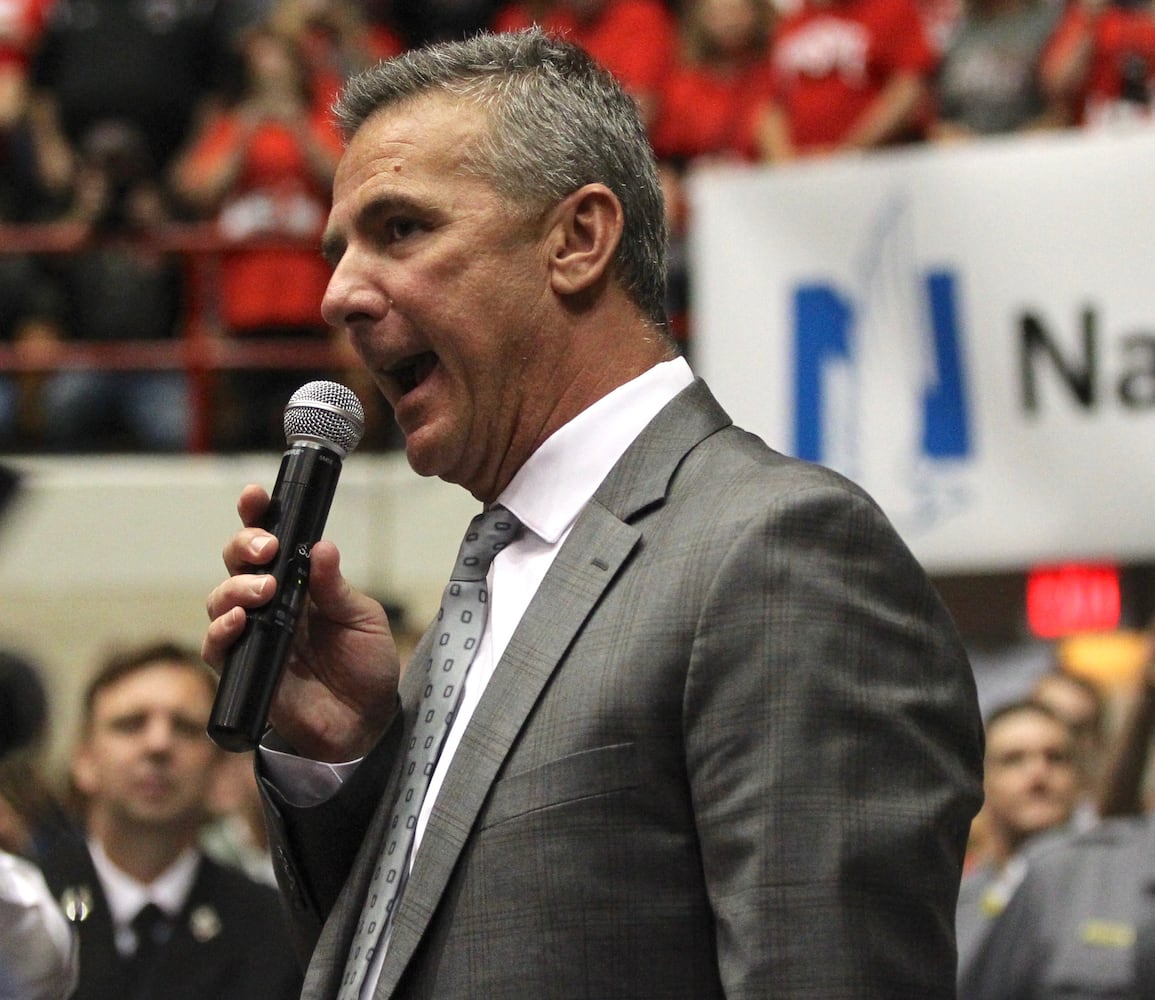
(298, 508)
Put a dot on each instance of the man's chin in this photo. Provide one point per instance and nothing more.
(424, 455)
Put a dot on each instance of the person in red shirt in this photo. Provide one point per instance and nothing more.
(338, 38)
(22, 320)
(848, 74)
(707, 110)
(1101, 61)
(709, 100)
(21, 22)
(262, 169)
(636, 40)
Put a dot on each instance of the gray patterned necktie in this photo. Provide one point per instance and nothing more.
(460, 622)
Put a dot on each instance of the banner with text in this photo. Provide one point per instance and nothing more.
(969, 332)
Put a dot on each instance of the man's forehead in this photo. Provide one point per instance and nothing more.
(161, 681)
(1026, 726)
(434, 123)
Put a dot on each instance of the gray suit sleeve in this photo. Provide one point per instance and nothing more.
(834, 749)
(313, 848)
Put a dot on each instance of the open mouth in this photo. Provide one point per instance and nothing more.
(411, 372)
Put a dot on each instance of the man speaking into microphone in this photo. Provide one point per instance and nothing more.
(692, 722)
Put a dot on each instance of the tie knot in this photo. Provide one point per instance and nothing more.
(487, 535)
(150, 925)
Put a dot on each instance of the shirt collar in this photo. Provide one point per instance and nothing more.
(126, 895)
(550, 489)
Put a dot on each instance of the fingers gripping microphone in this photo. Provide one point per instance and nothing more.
(323, 424)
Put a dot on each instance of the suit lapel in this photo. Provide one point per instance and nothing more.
(599, 544)
(590, 558)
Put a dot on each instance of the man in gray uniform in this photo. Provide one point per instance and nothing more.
(1082, 924)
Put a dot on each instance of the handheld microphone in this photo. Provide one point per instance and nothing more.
(323, 424)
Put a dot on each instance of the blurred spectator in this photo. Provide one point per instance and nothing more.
(989, 81)
(263, 168)
(1081, 924)
(636, 40)
(115, 87)
(31, 317)
(848, 75)
(709, 100)
(156, 918)
(38, 954)
(707, 110)
(1081, 704)
(31, 818)
(424, 21)
(23, 703)
(1101, 61)
(336, 39)
(235, 17)
(1031, 787)
(118, 286)
(149, 65)
(387, 35)
(21, 24)
(236, 835)
(1126, 757)
(26, 302)
(941, 19)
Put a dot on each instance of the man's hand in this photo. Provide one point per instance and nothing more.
(339, 687)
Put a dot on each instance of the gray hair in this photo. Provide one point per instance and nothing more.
(557, 121)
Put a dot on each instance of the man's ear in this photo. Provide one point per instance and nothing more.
(83, 769)
(587, 226)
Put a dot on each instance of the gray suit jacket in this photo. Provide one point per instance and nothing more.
(732, 749)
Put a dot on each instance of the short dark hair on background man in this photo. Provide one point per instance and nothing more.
(123, 663)
(1028, 706)
(23, 703)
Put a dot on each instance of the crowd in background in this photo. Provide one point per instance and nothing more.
(1055, 895)
(1056, 899)
(123, 122)
(127, 124)
(144, 872)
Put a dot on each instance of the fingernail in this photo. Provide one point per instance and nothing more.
(260, 585)
(258, 545)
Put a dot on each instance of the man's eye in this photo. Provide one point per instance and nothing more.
(398, 229)
(127, 724)
(188, 728)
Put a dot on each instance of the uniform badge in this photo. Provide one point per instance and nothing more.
(77, 901)
(205, 923)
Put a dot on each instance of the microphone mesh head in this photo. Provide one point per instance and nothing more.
(325, 412)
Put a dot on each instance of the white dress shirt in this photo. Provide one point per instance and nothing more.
(547, 494)
(125, 895)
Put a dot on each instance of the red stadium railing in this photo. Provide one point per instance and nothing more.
(201, 348)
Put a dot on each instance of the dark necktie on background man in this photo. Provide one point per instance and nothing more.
(152, 928)
(460, 623)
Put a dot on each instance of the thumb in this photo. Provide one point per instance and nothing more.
(332, 594)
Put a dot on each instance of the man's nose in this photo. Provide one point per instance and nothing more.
(354, 294)
(158, 735)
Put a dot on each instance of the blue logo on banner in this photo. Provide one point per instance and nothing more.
(824, 325)
(880, 387)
